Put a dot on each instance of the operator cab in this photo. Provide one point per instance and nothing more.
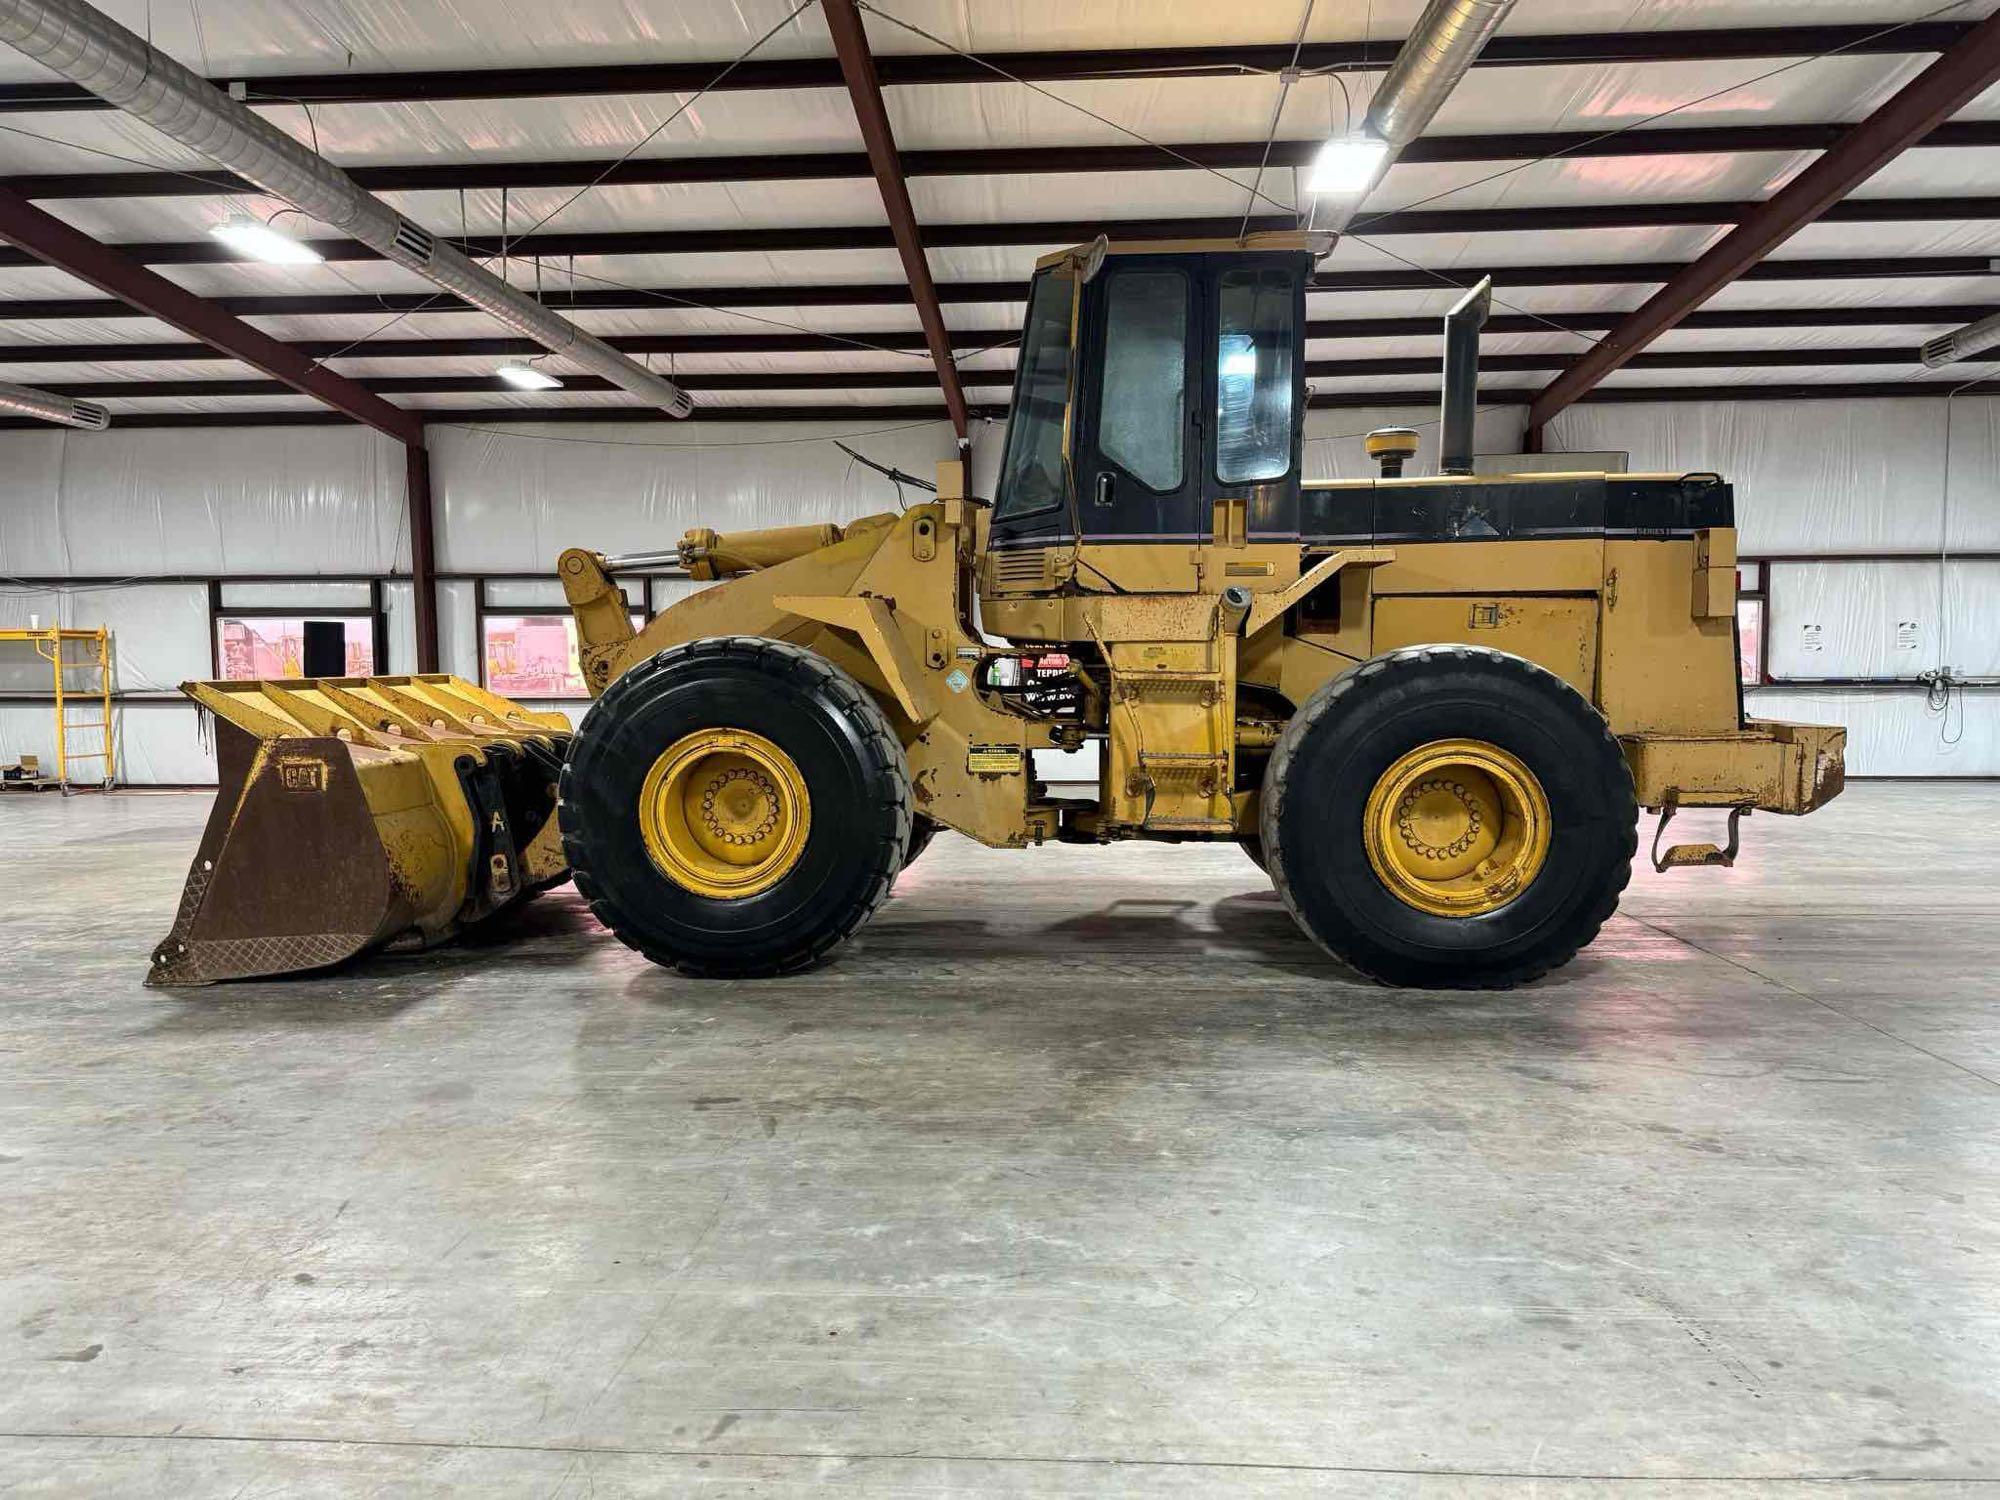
(1155, 380)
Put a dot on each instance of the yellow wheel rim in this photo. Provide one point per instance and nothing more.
(1457, 827)
(724, 813)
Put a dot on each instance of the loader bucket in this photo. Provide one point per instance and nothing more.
(352, 813)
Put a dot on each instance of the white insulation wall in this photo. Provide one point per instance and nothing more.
(1819, 478)
(330, 501)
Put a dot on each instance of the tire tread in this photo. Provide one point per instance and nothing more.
(1577, 933)
(821, 678)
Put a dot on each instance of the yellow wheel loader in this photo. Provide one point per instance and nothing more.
(1429, 707)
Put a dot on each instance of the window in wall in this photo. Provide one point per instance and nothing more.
(1253, 376)
(1750, 641)
(534, 656)
(1141, 423)
(1031, 471)
(251, 646)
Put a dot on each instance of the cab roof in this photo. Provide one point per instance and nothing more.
(1294, 241)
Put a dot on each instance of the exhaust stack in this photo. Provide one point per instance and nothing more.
(119, 66)
(1461, 377)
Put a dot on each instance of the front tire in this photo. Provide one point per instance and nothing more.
(922, 831)
(735, 807)
(1449, 817)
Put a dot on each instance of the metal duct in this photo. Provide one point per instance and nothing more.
(90, 49)
(1963, 343)
(49, 407)
(1447, 38)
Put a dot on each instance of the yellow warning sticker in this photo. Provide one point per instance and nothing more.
(1001, 759)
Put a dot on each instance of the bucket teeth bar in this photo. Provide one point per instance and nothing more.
(352, 813)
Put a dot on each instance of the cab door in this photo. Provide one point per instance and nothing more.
(1139, 473)
(1254, 364)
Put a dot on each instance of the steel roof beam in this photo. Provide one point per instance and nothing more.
(1074, 231)
(49, 241)
(893, 294)
(917, 379)
(842, 413)
(1962, 74)
(1935, 314)
(813, 166)
(590, 81)
(864, 89)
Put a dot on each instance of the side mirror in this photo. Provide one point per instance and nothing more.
(1092, 260)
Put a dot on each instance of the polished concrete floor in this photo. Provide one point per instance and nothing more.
(1079, 1174)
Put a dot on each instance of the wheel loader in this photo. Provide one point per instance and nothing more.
(1429, 707)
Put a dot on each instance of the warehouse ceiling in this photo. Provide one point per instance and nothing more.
(745, 249)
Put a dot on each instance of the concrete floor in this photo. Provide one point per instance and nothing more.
(1080, 1173)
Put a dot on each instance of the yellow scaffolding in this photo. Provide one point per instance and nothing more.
(49, 646)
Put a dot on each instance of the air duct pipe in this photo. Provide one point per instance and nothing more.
(1461, 378)
(122, 68)
(1448, 37)
(1963, 343)
(50, 407)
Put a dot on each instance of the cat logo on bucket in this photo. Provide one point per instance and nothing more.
(299, 775)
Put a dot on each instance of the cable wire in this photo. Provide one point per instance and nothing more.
(1659, 115)
(715, 413)
(1285, 78)
(688, 104)
(1182, 157)
(232, 189)
(1254, 188)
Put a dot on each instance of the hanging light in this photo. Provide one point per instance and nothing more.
(259, 241)
(1345, 165)
(528, 378)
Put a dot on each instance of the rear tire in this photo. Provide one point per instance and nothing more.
(1340, 758)
(836, 850)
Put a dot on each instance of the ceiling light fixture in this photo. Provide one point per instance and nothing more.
(259, 241)
(1346, 165)
(528, 378)
(1974, 338)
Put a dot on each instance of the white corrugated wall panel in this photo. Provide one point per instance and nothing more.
(399, 604)
(1894, 732)
(159, 634)
(1833, 620)
(1820, 476)
(258, 500)
(1884, 619)
(458, 629)
(512, 498)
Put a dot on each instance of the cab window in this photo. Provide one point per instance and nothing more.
(1254, 375)
(1141, 422)
(1031, 470)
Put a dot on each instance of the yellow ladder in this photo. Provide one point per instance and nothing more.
(96, 699)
